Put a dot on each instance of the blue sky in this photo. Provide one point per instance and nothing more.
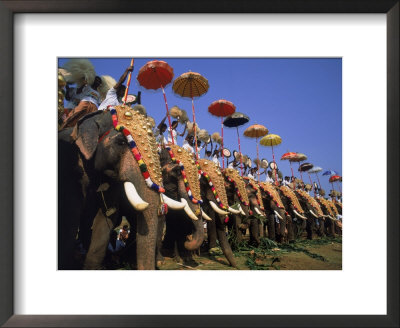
(298, 99)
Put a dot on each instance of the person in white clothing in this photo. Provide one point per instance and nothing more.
(87, 99)
(252, 173)
(188, 144)
(286, 181)
(115, 94)
(269, 177)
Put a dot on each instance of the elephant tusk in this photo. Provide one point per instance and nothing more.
(241, 210)
(258, 211)
(173, 204)
(299, 215)
(232, 210)
(313, 214)
(332, 218)
(188, 210)
(205, 216)
(278, 215)
(217, 209)
(136, 201)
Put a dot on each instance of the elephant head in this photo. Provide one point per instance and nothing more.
(215, 204)
(181, 181)
(291, 202)
(309, 203)
(126, 158)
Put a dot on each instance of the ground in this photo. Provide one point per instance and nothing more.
(319, 254)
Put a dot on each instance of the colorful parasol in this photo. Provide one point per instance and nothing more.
(306, 167)
(289, 156)
(330, 172)
(315, 170)
(300, 157)
(334, 178)
(222, 108)
(234, 121)
(256, 131)
(271, 140)
(190, 85)
(154, 75)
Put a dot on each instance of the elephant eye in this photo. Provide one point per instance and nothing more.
(122, 141)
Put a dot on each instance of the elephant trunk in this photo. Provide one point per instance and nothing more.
(193, 211)
(223, 241)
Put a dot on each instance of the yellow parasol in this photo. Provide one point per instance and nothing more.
(256, 131)
(271, 140)
(190, 85)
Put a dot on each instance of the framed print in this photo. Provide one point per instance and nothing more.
(361, 35)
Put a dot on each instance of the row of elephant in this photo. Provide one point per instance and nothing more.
(101, 179)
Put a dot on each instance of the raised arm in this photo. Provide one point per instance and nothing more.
(161, 123)
(123, 77)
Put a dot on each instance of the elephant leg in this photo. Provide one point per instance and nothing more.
(168, 243)
(100, 237)
(261, 230)
(321, 228)
(234, 226)
(254, 230)
(211, 232)
(310, 227)
(161, 224)
(290, 229)
(271, 226)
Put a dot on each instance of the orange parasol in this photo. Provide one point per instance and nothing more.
(222, 108)
(256, 131)
(157, 74)
(190, 85)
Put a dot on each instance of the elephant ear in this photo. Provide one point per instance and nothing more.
(87, 131)
(86, 136)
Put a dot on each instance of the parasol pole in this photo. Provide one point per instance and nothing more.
(312, 185)
(169, 117)
(222, 136)
(333, 188)
(194, 122)
(290, 162)
(273, 158)
(340, 189)
(301, 175)
(258, 167)
(316, 173)
(128, 83)
(240, 153)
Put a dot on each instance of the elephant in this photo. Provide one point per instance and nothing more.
(315, 216)
(277, 217)
(297, 219)
(103, 175)
(238, 192)
(216, 206)
(181, 181)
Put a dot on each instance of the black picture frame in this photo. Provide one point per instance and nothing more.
(7, 11)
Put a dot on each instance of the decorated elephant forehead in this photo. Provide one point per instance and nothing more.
(311, 201)
(189, 169)
(333, 207)
(216, 178)
(239, 183)
(272, 192)
(253, 183)
(325, 204)
(140, 128)
(289, 193)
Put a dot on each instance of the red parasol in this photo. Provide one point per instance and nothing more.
(290, 156)
(154, 75)
(191, 84)
(222, 108)
(334, 178)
